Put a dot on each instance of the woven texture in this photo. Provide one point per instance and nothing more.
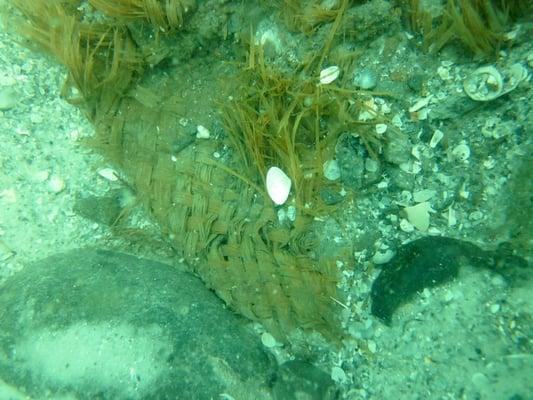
(227, 232)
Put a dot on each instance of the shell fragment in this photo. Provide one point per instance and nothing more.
(418, 215)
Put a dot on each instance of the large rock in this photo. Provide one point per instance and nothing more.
(103, 325)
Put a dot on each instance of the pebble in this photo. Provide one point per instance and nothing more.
(406, 226)
(372, 346)
(384, 257)
(331, 170)
(338, 374)
(480, 380)
(381, 128)
(202, 132)
(56, 184)
(268, 340)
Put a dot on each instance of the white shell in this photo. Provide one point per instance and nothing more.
(329, 74)
(484, 84)
(278, 185)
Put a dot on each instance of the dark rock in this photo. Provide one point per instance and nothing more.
(432, 261)
(330, 197)
(300, 380)
(103, 210)
(103, 325)
(350, 155)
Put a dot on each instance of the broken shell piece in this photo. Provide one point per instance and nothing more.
(406, 226)
(5, 252)
(418, 215)
(436, 138)
(420, 103)
(109, 174)
(278, 185)
(484, 84)
(202, 132)
(329, 74)
(423, 195)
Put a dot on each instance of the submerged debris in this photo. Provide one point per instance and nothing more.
(429, 262)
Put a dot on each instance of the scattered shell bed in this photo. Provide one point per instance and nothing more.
(43, 164)
(465, 127)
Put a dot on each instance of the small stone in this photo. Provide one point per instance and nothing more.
(42, 176)
(56, 184)
(444, 73)
(338, 374)
(268, 340)
(371, 165)
(382, 257)
(372, 346)
(406, 226)
(291, 213)
(331, 170)
(9, 195)
(381, 128)
(8, 98)
(480, 380)
(202, 132)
